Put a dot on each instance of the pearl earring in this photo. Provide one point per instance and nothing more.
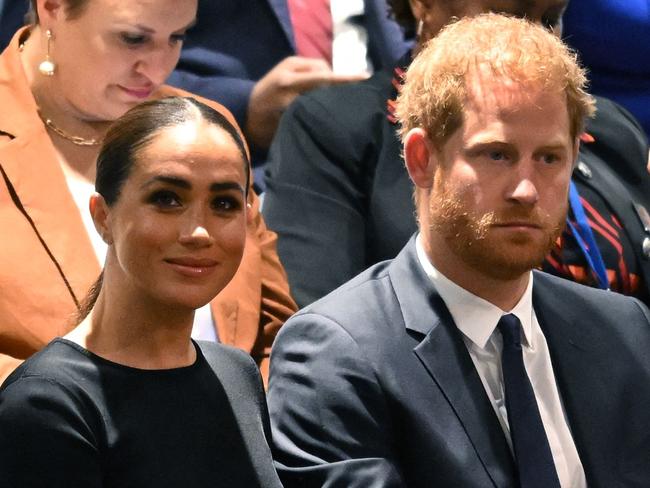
(47, 66)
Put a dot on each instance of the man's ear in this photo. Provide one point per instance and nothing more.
(100, 212)
(421, 158)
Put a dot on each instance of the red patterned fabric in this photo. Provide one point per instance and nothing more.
(312, 27)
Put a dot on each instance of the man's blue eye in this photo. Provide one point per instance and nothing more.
(550, 158)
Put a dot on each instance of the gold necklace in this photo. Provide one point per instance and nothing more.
(77, 140)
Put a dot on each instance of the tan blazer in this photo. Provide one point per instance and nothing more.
(47, 262)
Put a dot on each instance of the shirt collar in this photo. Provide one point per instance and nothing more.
(475, 317)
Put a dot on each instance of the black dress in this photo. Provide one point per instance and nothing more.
(69, 418)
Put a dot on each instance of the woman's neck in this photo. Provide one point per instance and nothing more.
(135, 333)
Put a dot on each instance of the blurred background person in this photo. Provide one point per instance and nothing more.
(12, 17)
(613, 40)
(127, 398)
(256, 56)
(338, 194)
(63, 79)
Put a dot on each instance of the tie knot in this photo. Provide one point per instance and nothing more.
(510, 328)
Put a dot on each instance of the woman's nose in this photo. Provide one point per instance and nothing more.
(196, 235)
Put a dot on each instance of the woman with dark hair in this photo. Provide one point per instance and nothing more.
(128, 398)
(63, 79)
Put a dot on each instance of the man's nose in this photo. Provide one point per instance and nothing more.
(524, 191)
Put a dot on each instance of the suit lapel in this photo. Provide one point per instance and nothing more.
(281, 11)
(444, 355)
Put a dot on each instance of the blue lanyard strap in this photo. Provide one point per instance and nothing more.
(585, 238)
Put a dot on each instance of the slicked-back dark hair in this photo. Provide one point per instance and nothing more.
(139, 126)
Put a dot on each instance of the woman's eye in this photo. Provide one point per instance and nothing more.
(132, 39)
(165, 199)
(225, 204)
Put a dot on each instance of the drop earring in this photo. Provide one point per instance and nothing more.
(47, 66)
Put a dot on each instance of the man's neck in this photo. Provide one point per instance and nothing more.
(503, 293)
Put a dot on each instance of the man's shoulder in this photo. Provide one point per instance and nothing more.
(585, 300)
(359, 298)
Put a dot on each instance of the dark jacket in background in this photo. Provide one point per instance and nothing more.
(236, 42)
(12, 17)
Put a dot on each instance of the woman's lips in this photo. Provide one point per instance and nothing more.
(135, 92)
(193, 267)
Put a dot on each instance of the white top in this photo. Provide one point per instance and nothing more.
(350, 40)
(477, 319)
(81, 192)
(204, 327)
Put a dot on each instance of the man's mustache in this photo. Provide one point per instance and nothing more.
(518, 216)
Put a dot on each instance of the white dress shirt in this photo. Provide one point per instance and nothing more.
(477, 319)
(350, 40)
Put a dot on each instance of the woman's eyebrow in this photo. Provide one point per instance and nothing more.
(171, 180)
(186, 185)
(226, 185)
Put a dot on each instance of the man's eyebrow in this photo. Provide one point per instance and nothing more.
(552, 147)
(487, 143)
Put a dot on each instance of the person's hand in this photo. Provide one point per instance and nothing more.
(279, 87)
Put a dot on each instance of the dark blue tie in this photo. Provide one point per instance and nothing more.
(532, 452)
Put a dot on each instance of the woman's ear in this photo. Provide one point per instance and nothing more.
(100, 212)
(249, 210)
(49, 10)
(421, 158)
